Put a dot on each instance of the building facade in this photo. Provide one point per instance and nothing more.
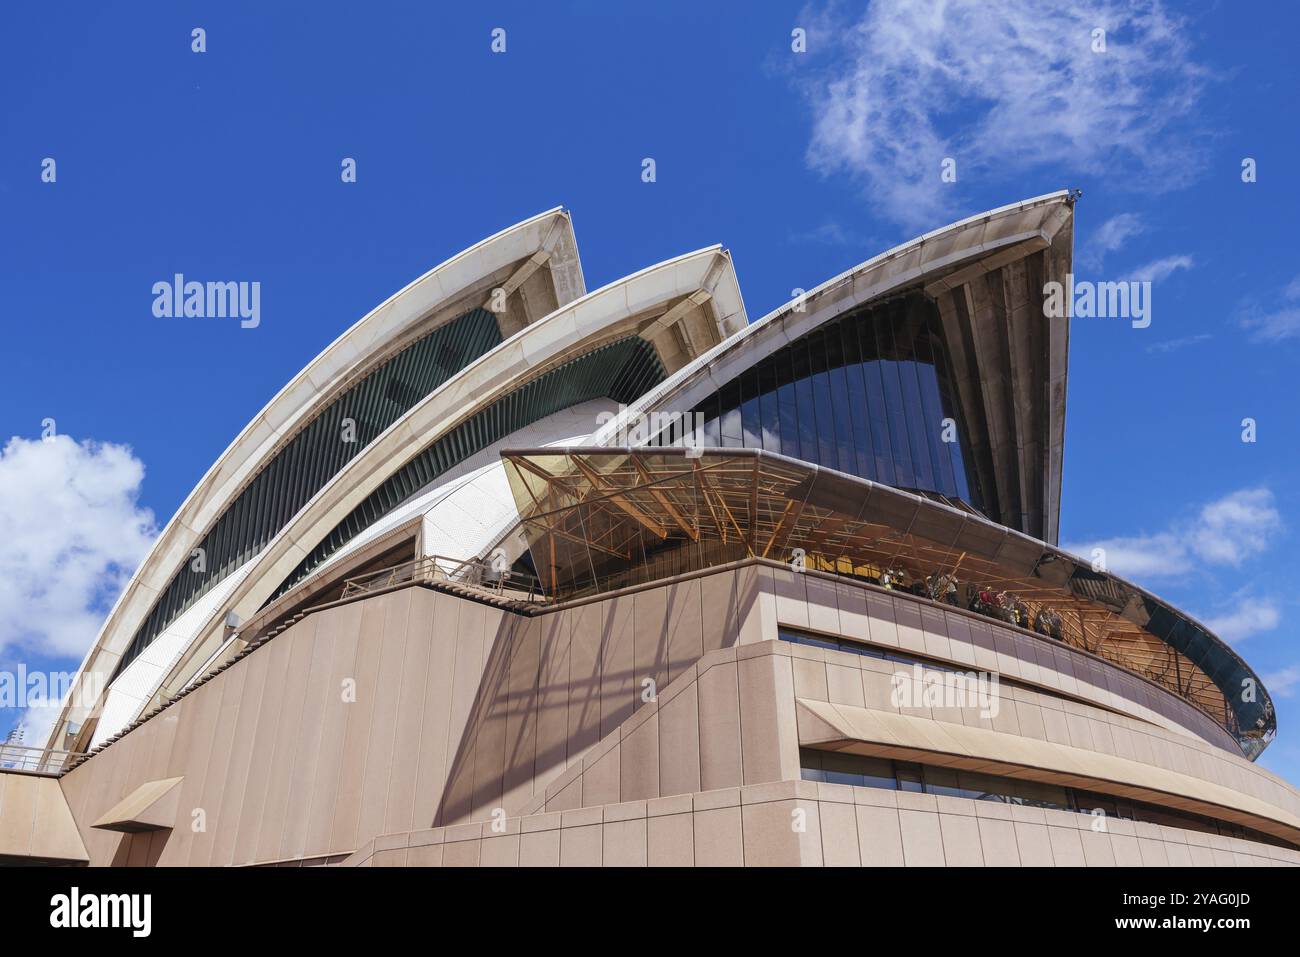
(520, 574)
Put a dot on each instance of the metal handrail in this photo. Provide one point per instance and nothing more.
(470, 573)
(1071, 636)
(20, 757)
(483, 577)
(1074, 638)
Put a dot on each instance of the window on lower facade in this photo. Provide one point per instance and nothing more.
(929, 664)
(867, 651)
(833, 767)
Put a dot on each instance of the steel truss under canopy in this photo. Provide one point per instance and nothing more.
(600, 519)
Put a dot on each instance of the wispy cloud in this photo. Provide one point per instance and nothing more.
(1170, 345)
(1161, 268)
(1225, 532)
(1276, 322)
(1138, 557)
(1283, 683)
(1250, 617)
(829, 234)
(71, 534)
(999, 82)
(1109, 237)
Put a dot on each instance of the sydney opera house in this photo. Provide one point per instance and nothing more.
(516, 573)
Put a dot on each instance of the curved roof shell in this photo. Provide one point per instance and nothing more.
(535, 262)
(664, 314)
(985, 276)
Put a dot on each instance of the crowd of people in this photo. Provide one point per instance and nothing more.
(1005, 606)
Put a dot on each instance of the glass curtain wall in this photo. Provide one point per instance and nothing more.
(870, 394)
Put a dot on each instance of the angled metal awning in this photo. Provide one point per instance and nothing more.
(869, 732)
(598, 519)
(150, 807)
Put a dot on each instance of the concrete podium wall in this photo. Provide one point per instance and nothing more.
(461, 710)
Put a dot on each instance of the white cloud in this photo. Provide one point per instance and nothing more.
(1274, 326)
(1169, 345)
(1282, 684)
(1235, 527)
(829, 233)
(1111, 236)
(37, 720)
(1143, 556)
(1225, 532)
(1161, 268)
(71, 534)
(1250, 617)
(998, 83)
(1282, 321)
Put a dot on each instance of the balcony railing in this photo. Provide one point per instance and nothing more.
(480, 577)
(477, 576)
(20, 757)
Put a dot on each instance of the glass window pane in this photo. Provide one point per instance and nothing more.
(981, 787)
(770, 407)
(1042, 795)
(957, 451)
(712, 409)
(857, 401)
(846, 461)
(933, 415)
(922, 466)
(732, 432)
(712, 421)
(857, 770)
(800, 638)
(909, 776)
(827, 454)
(876, 409)
(751, 420)
(941, 781)
(787, 406)
(894, 408)
(804, 393)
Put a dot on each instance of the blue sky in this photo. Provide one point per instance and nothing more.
(225, 165)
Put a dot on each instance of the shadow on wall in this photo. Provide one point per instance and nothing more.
(141, 849)
(555, 685)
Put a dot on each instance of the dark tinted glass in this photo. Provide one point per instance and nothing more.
(867, 394)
